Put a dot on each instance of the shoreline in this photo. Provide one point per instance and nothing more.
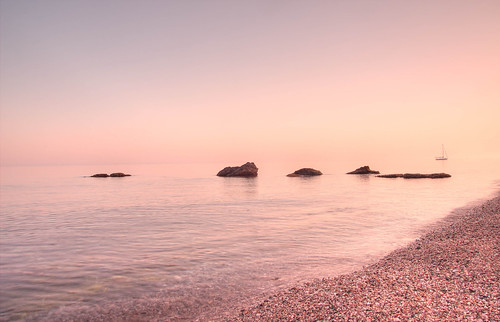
(404, 284)
(451, 272)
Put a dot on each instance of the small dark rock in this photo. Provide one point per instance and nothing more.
(114, 175)
(100, 175)
(394, 175)
(249, 169)
(364, 170)
(416, 175)
(425, 176)
(305, 172)
(119, 174)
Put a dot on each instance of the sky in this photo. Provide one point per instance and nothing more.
(150, 81)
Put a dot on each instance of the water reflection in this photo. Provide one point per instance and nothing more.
(236, 186)
(363, 177)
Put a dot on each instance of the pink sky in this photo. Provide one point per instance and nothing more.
(85, 82)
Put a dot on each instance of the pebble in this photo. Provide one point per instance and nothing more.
(452, 273)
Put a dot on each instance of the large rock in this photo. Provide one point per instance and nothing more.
(249, 169)
(305, 172)
(364, 170)
(416, 175)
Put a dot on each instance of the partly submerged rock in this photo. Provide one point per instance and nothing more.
(426, 176)
(105, 175)
(119, 174)
(364, 170)
(305, 172)
(249, 169)
(100, 175)
(393, 175)
(416, 175)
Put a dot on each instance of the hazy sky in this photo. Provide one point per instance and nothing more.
(181, 81)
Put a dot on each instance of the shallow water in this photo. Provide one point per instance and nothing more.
(195, 244)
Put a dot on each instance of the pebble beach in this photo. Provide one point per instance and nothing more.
(451, 273)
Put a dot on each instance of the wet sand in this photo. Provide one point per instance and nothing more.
(450, 273)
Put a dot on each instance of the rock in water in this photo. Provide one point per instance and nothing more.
(114, 175)
(305, 172)
(439, 175)
(100, 175)
(425, 176)
(119, 174)
(249, 169)
(393, 175)
(364, 170)
(416, 175)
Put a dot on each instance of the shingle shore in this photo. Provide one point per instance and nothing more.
(451, 273)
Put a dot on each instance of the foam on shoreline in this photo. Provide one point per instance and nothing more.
(450, 273)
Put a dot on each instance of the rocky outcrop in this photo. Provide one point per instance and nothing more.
(305, 172)
(249, 169)
(114, 175)
(416, 175)
(364, 170)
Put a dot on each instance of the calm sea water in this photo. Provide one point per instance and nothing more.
(198, 245)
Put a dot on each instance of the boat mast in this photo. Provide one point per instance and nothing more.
(444, 155)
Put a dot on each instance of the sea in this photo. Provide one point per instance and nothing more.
(177, 242)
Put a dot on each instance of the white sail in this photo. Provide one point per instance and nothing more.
(444, 155)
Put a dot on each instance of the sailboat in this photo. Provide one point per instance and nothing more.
(443, 156)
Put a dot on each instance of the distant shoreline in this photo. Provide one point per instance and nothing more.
(452, 272)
